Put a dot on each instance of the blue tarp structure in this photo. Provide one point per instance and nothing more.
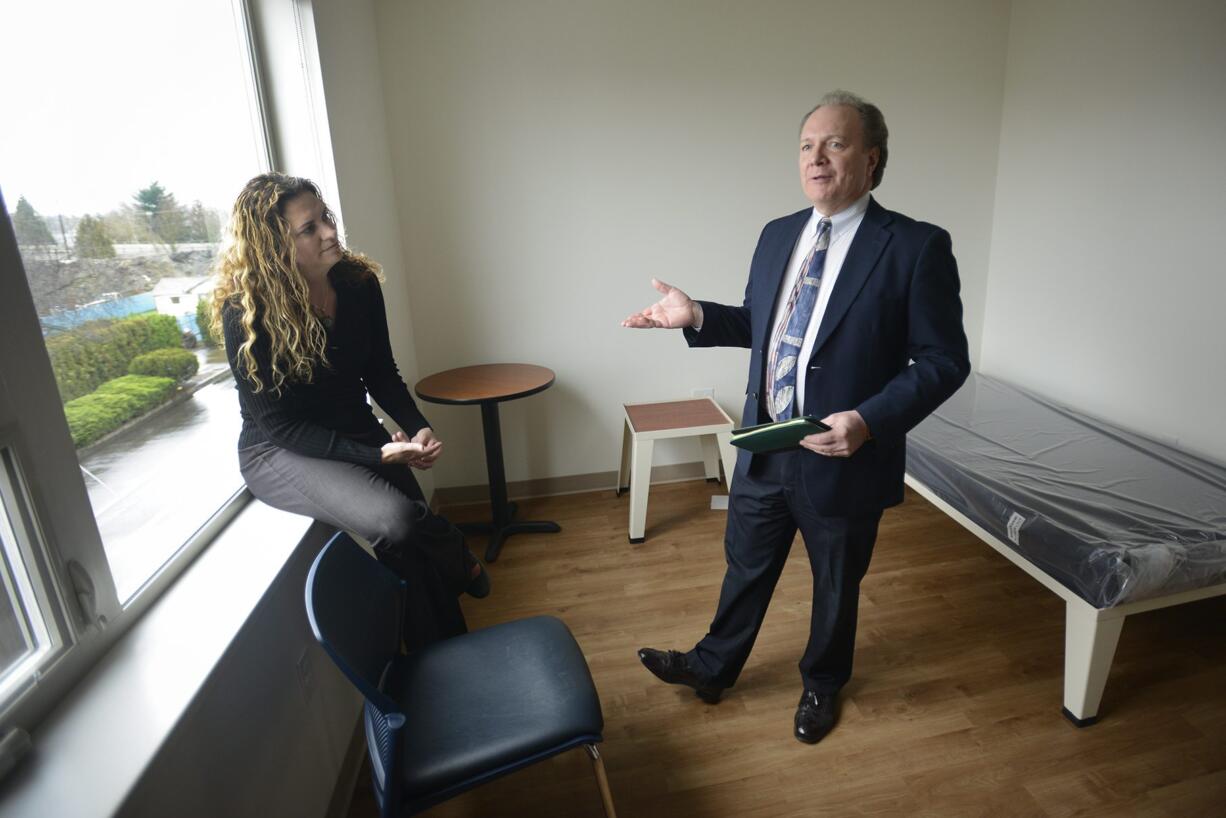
(116, 308)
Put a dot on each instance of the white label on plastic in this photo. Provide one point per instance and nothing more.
(1014, 526)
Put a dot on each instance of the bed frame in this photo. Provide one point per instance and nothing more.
(1090, 634)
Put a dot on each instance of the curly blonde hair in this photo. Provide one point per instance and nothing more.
(257, 274)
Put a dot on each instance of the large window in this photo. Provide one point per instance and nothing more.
(128, 129)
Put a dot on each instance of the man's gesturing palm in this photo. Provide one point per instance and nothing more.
(674, 311)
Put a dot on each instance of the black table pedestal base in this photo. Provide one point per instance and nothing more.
(499, 534)
(503, 524)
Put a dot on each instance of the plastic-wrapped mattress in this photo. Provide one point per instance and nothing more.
(1111, 515)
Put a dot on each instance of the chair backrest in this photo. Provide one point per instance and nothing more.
(355, 608)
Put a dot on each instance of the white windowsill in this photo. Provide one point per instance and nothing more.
(93, 749)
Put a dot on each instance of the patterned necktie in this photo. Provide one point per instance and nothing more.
(786, 343)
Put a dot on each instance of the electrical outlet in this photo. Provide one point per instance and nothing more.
(704, 392)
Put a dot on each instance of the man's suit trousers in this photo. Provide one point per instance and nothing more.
(766, 508)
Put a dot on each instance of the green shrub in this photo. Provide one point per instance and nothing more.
(94, 353)
(113, 404)
(204, 320)
(179, 364)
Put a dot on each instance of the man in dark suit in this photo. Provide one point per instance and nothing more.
(853, 316)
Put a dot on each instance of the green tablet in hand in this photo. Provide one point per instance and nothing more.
(777, 437)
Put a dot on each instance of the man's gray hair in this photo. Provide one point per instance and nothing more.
(876, 135)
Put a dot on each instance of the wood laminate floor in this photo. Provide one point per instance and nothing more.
(954, 708)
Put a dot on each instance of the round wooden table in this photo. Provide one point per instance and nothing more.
(489, 385)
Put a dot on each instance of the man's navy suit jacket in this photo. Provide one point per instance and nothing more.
(890, 345)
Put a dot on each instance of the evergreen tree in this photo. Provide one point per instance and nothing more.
(197, 223)
(165, 216)
(29, 226)
(151, 199)
(93, 241)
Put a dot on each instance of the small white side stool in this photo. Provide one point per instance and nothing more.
(648, 422)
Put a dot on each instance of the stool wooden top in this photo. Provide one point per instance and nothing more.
(484, 383)
(675, 414)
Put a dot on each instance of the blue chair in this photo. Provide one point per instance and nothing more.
(460, 712)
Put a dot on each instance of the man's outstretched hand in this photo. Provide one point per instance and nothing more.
(675, 310)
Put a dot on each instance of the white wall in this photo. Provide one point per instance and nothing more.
(552, 156)
(1107, 282)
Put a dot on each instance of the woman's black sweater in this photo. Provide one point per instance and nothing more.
(330, 416)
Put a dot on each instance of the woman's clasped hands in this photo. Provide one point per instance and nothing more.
(419, 452)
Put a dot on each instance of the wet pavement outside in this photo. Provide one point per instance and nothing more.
(155, 482)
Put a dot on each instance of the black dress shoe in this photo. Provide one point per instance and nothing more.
(670, 666)
(814, 716)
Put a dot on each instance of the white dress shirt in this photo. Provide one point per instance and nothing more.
(843, 227)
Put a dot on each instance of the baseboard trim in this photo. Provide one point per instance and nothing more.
(568, 484)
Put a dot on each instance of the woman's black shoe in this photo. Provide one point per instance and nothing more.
(478, 586)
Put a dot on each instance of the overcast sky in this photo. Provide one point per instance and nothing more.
(99, 99)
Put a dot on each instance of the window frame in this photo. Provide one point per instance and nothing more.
(23, 535)
(68, 558)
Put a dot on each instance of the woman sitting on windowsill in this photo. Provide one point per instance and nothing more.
(306, 335)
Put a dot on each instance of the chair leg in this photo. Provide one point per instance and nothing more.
(728, 455)
(623, 467)
(640, 484)
(602, 780)
(710, 457)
